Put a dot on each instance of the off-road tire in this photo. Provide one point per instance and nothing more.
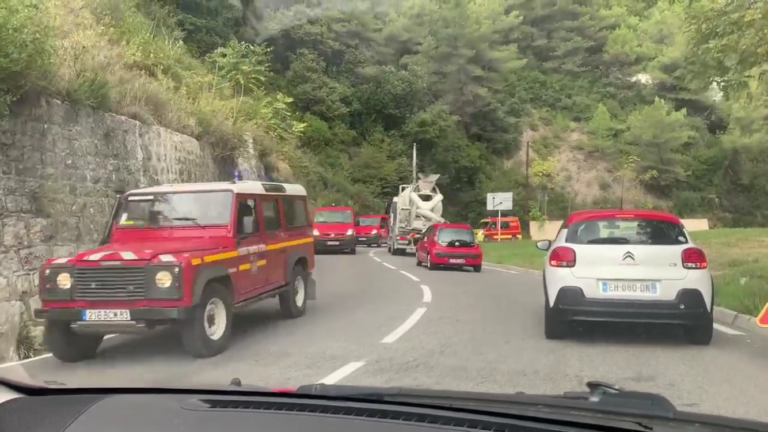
(288, 306)
(477, 268)
(554, 328)
(193, 336)
(68, 346)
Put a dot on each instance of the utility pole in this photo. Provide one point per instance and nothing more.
(414, 163)
(528, 185)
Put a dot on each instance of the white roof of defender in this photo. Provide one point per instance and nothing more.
(240, 187)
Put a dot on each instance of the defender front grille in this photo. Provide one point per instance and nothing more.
(109, 283)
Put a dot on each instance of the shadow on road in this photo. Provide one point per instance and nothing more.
(628, 334)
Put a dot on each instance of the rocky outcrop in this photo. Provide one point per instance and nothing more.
(59, 167)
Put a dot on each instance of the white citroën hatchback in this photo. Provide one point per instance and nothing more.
(637, 266)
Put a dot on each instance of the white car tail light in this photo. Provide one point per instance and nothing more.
(562, 256)
(694, 259)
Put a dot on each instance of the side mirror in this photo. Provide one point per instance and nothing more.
(543, 245)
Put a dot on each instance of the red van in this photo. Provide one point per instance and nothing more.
(449, 245)
(334, 229)
(372, 229)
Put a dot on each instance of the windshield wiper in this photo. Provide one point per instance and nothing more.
(188, 219)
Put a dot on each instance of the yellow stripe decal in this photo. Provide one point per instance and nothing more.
(246, 266)
(260, 263)
(232, 254)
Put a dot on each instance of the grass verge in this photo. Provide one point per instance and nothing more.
(736, 258)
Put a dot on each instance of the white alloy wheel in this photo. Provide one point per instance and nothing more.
(301, 293)
(215, 321)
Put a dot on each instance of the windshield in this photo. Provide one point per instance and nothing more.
(368, 221)
(333, 216)
(176, 209)
(513, 117)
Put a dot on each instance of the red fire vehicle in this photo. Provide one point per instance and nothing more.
(372, 229)
(334, 229)
(182, 254)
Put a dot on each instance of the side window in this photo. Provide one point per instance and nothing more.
(295, 212)
(492, 226)
(247, 223)
(505, 225)
(384, 223)
(270, 213)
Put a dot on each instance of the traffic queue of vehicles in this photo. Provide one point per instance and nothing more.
(191, 255)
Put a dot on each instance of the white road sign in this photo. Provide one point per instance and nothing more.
(499, 201)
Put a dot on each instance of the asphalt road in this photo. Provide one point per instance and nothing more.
(380, 320)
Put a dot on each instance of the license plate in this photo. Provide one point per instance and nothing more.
(333, 243)
(410, 250)
(630, 288)
(456, 261)
(106, 315)
(362, 238)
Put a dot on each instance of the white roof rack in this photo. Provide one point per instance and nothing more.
(240, 187)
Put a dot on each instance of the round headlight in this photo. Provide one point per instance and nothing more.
(64, 280)
(163, 279)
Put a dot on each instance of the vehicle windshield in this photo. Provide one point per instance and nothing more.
(626, 231)
(333, 216)
(460, 235)
(368, 221)
(349, 132)
(175, 209)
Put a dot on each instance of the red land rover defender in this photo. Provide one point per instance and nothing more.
(334, 229)
(182, 254)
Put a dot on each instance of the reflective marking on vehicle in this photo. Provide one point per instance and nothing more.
(61, 260)
(128, 255)
(167, 258)
(249, 250)
(97, 256)
(246, 266)
(232, 270)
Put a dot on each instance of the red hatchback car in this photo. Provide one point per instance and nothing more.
(449, 245)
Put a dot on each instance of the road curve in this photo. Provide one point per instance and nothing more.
(380, 320)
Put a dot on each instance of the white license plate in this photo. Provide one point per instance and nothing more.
(106, 315)
(629, 288)
(456, 261)
(410, 250)
(362, 238)
(333, 243)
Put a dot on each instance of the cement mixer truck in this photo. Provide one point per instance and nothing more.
(411, 212)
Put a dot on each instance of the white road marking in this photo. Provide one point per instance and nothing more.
(427, 294)
(341, 373)
(370, 253)
(410, 322)
(501, 270)
(410, 276)
(377, 259)
(40, 357)
(390, 266)
(727, 330)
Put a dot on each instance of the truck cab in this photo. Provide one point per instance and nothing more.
(187, 255)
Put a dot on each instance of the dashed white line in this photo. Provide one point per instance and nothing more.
(377, 259)
(427, 298)
(727, 330)
(501, 270)
(410, 276)
(390, 266)
(410, 322)
(341, 373)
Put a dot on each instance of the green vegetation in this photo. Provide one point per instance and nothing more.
(610, 94)
(736, 257)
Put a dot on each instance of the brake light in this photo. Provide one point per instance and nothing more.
(402, 238)
(562, 256)
(694, 258)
